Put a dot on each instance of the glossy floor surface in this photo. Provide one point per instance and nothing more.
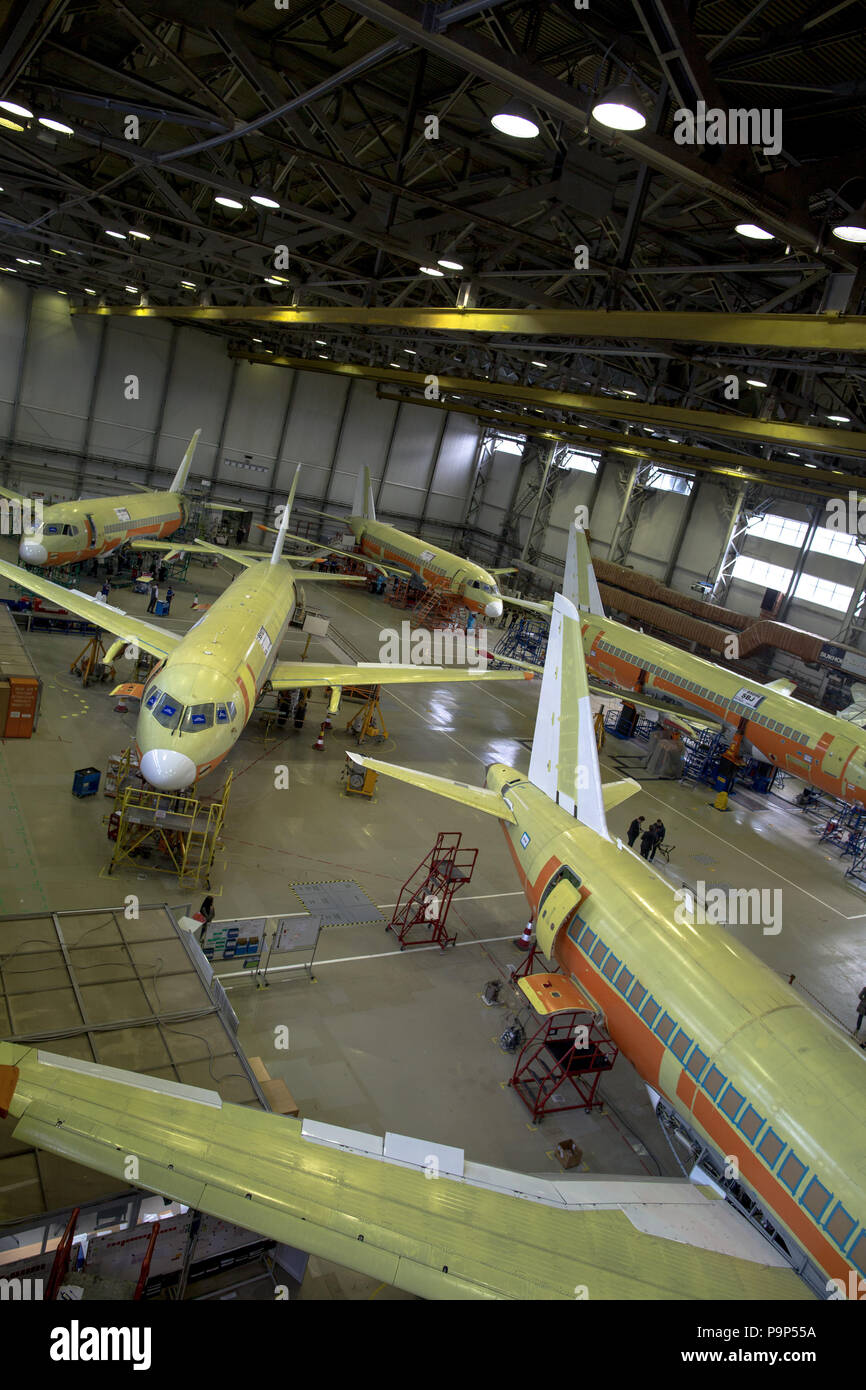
(384, 1040)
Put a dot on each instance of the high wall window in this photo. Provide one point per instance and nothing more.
(752, 571)
(508, 443)
(574, 458)
(839, 543)
(670, 482)
(824, 592)
(778, 528)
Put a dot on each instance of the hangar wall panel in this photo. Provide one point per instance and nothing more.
(56, 387)
(409, 462)
(317, 408)
(197, 393)
(254, 424)
(13, 315)
(452, 481)
(123, 428)
(364, 441)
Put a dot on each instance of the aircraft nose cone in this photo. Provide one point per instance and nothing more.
(494, 608)
(32, 553)
(168, 771)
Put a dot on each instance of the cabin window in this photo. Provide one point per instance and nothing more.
(222, 714)
(152, 699)
(197, 717)
(168, 712)
(51, 531)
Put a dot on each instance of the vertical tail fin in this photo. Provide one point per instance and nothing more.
(284, 520)
(363, 504)
(564, 761)
(181, 474)
(580, 584)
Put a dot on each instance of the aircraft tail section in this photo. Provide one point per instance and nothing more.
(284, 520)
(363, 505)
(181, 475)
(564, 761)
(580, 584)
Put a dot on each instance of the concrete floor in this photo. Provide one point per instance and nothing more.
(384, 1040)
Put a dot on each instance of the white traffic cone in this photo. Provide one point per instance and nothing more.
(525, 941)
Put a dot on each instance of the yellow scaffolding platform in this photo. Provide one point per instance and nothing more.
(181, 831)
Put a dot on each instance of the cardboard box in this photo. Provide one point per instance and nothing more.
(258, 1069)
(569, 1153)
(279, 1098)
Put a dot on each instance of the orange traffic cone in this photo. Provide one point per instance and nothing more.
(319, 744)
(525, 940)
(327, 724)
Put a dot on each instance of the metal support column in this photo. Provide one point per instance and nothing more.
(225, 422)
(338, 441)
(157, 432)
(440, 438)
(387, 457)
(635, 494)
(19, 380)
(270, 505)
(800, 562)
(94, 390)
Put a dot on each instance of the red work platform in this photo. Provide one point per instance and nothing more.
(561, 1065)
(425, 897)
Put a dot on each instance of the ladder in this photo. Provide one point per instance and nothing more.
(422, 907)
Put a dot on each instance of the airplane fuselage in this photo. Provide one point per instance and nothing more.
(439, 569)
(763, 1079)
(75, 531)
(198, 701)
(818, 747)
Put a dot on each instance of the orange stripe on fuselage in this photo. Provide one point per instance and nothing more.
(645, 1051)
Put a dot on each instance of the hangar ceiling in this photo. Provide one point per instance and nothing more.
(324, 109)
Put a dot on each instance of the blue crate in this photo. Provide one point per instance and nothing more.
(86, 781)
(160, 608)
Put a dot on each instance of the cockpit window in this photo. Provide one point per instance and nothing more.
(168, 712)
(51, 531)
(226, 712)
(488, 588)
(197, 717)
(70, 531)
(152, 699)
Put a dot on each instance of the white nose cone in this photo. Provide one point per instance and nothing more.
(168, 771)
(32, 553)
(494, 608)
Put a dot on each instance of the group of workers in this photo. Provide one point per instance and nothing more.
(650, 838)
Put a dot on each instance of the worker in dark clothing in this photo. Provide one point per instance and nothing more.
(105, 590)
(301, 709)
(861, 1009)
(634, 830)
(208, 912)
(658, 833)
(154, 597)
(169, 595)
(284, 706)
(646, 842)
(161, 575)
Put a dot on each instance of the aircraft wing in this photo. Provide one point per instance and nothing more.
(291, 675)
(241, 557)
(156, 640)
(529, 605)
(471, 1231)
(691, 724)
(328, 548)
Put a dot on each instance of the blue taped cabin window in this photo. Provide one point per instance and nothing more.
(168, 712)
(197, 717)
(51, 531)
(222, 714)
(152, 699)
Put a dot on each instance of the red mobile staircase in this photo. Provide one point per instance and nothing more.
(422, 908)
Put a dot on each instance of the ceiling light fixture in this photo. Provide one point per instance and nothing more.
(119, 236)
(87, 291)
(410, 351)
(431, 270)
(620, 108)
(450, 265)
(142, 236)
(188, 285)
(840, 419)
(15, 110)
(543, 365)
(753, 381)
(133, 289)
(852, 227)
(753, 232)
(264, 201)
(320, 342)
(515, 120)
(56, 125)
(272, 280)
(225, 202)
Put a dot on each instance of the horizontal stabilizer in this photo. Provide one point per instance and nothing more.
(613, 793)
(509, 569)
(479, 798)
(782, 686)
(542, 606)
(312, 511)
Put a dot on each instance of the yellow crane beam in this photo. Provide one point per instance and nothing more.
(788, 436)
(808, 332)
